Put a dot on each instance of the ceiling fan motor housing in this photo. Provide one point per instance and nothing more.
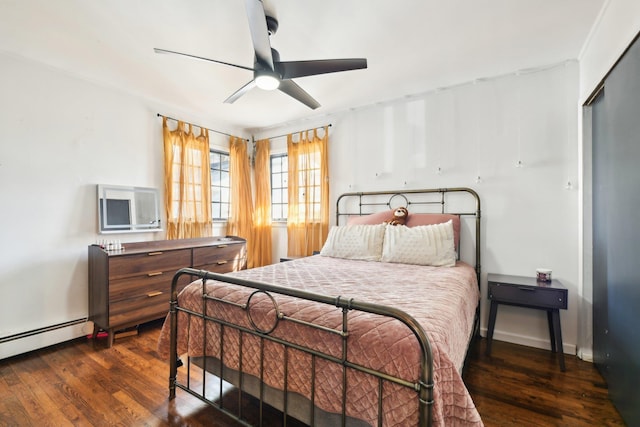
(272, 25)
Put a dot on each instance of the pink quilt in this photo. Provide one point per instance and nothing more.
(442, 300)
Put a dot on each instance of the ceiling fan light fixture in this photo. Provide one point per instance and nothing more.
(267, 81)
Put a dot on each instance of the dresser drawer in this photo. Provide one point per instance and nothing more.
(220, 254)
(224, 266)
(148, 263)
(138, 310)
(537, 296)
(220, 259)
(140, 286)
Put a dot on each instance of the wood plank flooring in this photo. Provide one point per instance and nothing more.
(83, 383)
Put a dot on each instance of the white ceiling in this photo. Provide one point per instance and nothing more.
(412, 46)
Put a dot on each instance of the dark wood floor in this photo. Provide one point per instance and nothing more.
(82, 383)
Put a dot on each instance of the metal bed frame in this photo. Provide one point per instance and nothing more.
(348, 204)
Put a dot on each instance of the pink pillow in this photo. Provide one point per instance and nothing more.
(413, 220)
(372, 219)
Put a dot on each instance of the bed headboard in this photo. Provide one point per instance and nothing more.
(460, 201)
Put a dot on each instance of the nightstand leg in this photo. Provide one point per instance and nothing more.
(555, 314)
(493, 311)
(552, 335)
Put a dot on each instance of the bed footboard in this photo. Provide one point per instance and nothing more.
(264, 323)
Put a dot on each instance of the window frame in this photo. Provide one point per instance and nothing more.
(221, 188)
(282, 188)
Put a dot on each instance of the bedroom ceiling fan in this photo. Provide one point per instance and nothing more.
(269, 72)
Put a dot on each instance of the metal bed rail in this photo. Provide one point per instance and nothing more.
(347, 205)
(423, 387)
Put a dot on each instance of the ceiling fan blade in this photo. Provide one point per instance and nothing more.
(293, 90)
(237, 94)
(293, 69)
(156, 50)
(259, 32)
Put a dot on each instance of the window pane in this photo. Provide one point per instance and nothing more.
(276, 165)
(215, 160)
(215, 178)
(276, 196)
(316, 195)
(215, 194)
(279, 182)
(215, 210)
(224, 163)
(224, 179)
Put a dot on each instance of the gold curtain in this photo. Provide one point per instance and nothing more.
(187, 182)
(308, 191)
(262, 248)
(240, 221)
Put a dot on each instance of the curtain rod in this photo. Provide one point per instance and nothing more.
(203, 127)
(299, 131)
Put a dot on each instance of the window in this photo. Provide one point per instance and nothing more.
(219, 185)
(309, 192)
(309, 184)
(279, 187)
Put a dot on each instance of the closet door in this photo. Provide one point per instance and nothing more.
(616, 231)
(601, 188)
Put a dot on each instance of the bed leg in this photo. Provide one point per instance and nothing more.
(175, 363)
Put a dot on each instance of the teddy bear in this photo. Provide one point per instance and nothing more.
(399, 216)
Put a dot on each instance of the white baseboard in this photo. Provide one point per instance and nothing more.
(44, 339)
(528, 341)
(586, 355)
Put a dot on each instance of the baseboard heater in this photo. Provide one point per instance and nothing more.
(42, 330)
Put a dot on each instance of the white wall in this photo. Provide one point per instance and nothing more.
(529, 217)
(59, 137)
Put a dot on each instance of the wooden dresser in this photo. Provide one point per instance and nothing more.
(133, 285)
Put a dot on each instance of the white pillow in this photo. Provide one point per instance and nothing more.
(363, 242)
(423, 245)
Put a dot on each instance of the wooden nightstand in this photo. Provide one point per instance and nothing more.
(528, 292)
(291, 258)
(288, 258)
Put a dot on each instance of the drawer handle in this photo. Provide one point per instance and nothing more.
(157, 273)
(154, 294)
(527, 289)
(154, 253)
(222, 262)
(222, 246)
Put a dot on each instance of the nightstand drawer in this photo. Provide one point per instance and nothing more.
(219, 255)
(539, 297)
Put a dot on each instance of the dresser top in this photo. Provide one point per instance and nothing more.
(167, 245)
